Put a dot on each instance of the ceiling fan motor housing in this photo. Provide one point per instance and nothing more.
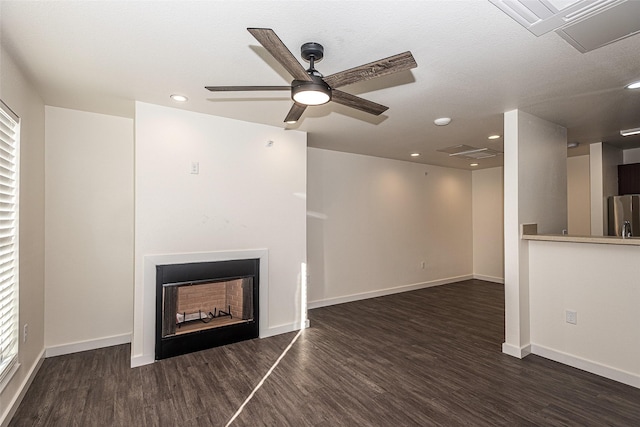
(312, 50)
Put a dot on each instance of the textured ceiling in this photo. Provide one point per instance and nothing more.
(474, 63)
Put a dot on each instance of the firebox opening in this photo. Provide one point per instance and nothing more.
(190, 307)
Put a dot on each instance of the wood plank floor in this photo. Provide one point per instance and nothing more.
(424, 358)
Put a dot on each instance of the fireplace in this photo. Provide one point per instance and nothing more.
(205, 304)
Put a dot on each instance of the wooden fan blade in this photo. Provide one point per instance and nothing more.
(295, 112)
(393, 64)
(244, 88)
(361, 104)
(268, 38)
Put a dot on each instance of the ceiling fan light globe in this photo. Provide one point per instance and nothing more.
(310, 92)
(311, 97)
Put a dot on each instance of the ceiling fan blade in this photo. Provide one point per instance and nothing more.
(245, 88)
(361, 104)
(295, 112)
(393, 64)
(270, 41)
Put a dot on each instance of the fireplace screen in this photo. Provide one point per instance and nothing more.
(190, 307)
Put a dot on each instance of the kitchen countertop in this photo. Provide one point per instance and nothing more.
(529, 232)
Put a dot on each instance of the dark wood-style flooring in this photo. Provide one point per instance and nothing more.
(423, 358)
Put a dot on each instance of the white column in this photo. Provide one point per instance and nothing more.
(603, 168)
(535, 192)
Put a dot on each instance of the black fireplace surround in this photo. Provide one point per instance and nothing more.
(201, 272)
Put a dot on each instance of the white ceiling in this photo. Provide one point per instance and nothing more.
(474, 63)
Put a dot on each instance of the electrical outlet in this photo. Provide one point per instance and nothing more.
(25, 329)
(571, 317)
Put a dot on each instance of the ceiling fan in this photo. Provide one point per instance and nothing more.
(309, 87)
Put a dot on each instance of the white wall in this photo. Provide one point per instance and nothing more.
(488, 224)
(542, 174)
(22, 98)
(535, 192)
(373, 221)
(631, 155)
(600, 283)
(89, 230)
(578, 196)
(246, 196)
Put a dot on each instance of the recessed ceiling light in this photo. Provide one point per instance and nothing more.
(415, 154)
(442, 121)
(634, 85)
(290, 122)
(573, 144)
(494, 136)
(179, 98)
(473, 164)
(629, 132)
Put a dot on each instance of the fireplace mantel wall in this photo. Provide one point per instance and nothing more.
(248, 195)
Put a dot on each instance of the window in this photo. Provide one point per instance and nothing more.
(9, 138)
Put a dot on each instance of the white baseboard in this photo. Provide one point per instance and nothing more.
(283, 329)
(142, 360)
(11, 409)
(587, 365)
(515, 351)
(76, 347)
(489, 278)
(383, 292)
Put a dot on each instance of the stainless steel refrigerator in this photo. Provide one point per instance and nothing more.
(621, 209)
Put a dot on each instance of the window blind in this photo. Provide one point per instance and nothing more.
(9, 137)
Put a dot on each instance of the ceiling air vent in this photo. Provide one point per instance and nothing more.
(469, 152)
(585, 24)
